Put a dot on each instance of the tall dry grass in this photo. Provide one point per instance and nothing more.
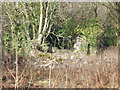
(68, 69)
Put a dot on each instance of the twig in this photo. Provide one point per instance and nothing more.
(56, 79)
(16, 77)
(66, 78)
(10, 72)
(20, 76)
(50, 76)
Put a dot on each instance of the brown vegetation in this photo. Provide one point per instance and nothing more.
(66, 69)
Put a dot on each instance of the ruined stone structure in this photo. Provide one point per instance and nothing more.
(78, 42)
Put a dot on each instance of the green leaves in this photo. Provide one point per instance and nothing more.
(88, 31)
(24, 20)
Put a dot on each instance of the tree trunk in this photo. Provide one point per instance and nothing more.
(88, 49)
(40, 24)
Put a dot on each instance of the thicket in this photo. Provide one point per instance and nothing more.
(27, 25)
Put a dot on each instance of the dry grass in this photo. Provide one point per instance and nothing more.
(66, 69)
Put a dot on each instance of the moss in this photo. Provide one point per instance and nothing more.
(59, 59)
(41, 55)
(46, 55)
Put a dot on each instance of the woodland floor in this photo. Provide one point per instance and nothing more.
(65, 69)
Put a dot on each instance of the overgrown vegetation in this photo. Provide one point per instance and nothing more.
(48, 33)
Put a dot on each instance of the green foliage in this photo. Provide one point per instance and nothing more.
(6, 40)
(90, 31)
(111, 35)
(15, 36)
(46, 55)
(68, 30)
(24, 21)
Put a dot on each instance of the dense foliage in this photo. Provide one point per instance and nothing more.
(28, 25)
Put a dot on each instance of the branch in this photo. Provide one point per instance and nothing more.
(46, 20)
(111, 9)
(41, 16)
